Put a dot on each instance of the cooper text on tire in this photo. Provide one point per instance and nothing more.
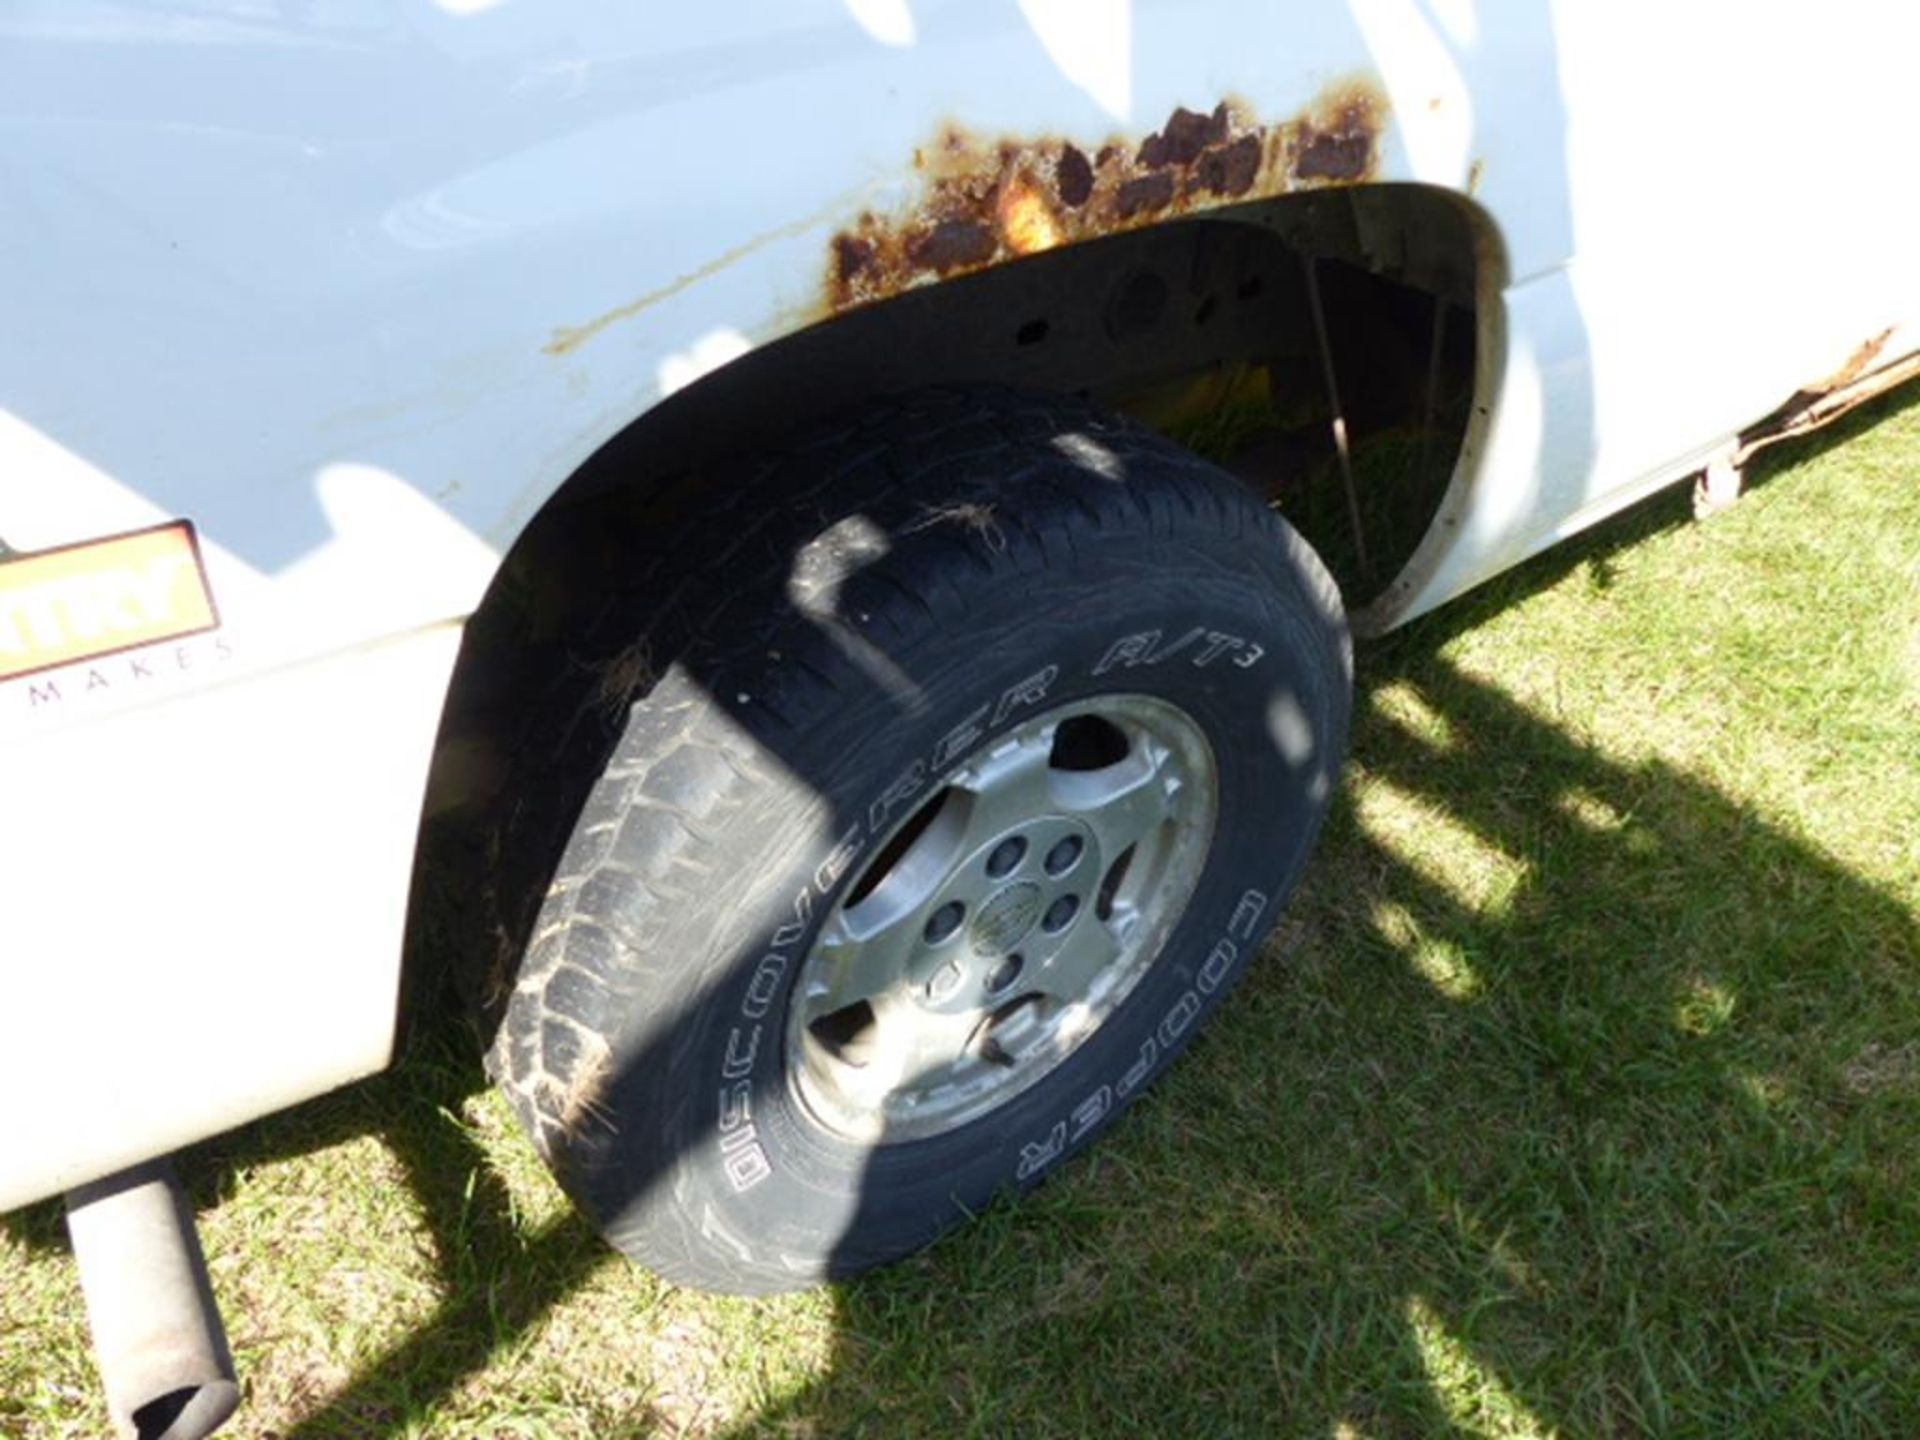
(976, 747)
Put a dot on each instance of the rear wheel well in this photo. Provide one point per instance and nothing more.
(1205, 328)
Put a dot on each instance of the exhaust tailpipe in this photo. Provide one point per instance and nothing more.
(157, 1336)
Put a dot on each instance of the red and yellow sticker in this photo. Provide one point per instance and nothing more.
(100, 597)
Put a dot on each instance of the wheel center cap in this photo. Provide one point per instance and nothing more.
(1003, 922)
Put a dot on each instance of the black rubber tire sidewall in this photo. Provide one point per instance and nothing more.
(1245, 647)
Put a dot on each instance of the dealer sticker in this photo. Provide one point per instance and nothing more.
(100, 597)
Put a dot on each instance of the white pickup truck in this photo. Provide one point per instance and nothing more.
(721, 458)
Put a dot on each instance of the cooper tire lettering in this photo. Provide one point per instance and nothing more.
(1144, 649)
(755, 766)
(1219, 964)
(1246, 915)
(1025, 694)
(1179, 1018)
(1127, 651)
(1138, 1072)
(957, 741)
(764, 988)
(739, 1061)
(1036, 1157)
(1090, 1112)
(835, 865)
(902, 790)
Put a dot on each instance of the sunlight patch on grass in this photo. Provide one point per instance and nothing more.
(1598, 815)
(1423, 835)
(1704, 1008)
(1402, 703)
(1443, 964)
(1913, 663)
(1764, 1091)
(534, 1198)
(1470, 1394)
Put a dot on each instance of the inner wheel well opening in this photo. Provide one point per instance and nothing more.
(1203, 328)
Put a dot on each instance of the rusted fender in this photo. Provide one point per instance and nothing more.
(986, 199)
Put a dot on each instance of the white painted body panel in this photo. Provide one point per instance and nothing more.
(204, 904)
(299, 273)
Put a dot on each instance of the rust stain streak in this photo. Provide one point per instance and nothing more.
(986, 200)
(569, 338)
(1864, 355)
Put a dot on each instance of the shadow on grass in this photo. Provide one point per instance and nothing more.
(1623, 1146)
(1623, 1142)
(498, 1280)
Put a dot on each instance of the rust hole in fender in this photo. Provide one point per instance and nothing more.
(1342, 149)
(985, 200)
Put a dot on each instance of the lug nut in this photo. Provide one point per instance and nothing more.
(1004, 974)
(1006, 857)
(944, 921)
(1065, 855)
(1060, 914)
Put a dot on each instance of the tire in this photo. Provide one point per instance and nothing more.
(839, 664)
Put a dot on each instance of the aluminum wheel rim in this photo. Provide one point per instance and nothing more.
(1004, 920)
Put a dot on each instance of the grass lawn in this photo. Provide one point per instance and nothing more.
(1579, 1094)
